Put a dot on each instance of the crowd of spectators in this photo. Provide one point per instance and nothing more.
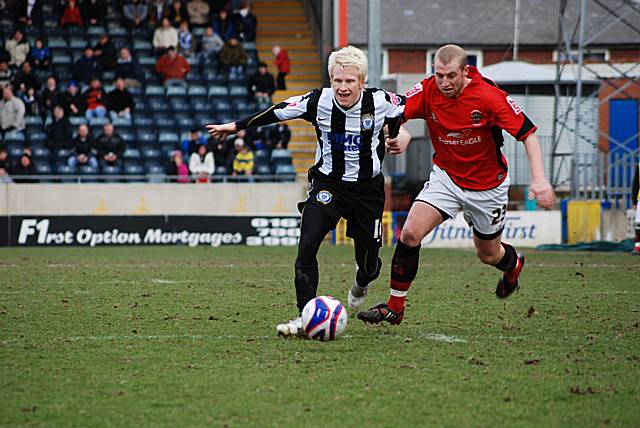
(105, 76)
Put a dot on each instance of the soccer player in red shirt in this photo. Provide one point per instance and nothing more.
(466, 114)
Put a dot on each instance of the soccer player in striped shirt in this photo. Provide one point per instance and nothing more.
(346, 180)
(465, 114)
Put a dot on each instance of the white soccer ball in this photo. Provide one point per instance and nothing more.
(324, 318)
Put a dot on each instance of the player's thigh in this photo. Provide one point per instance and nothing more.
(422, 219)
(638, 213)
(486, 211)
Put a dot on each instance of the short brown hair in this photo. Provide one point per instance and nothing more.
(451, 53)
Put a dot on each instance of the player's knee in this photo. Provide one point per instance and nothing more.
(410, 237)
(488, 258)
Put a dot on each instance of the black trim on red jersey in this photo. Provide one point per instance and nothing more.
(526, 127)
(489, 81)
(498, 140)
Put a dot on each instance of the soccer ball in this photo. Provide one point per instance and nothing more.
(324, 318)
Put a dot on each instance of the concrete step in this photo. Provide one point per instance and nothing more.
(280, 20)
(302, 30)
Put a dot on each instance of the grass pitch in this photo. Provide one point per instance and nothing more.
(185, 337)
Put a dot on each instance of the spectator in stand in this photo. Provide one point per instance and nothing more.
(50, 97)
(5, 167)
(18, 48)
(29, 13)
(158, 9)
(223, 25)
(135, 13)
(261, 85)
(110, 146)
(221, 153)
(86, 67)
(105, 54)
(73, 101)
(165, 37)
(233, 57)
(283, 65)
(246, 23)
(172, 67)
(28, 97)
(83, 148)
(40, 55)
(23, 169)
(178, 13)
(128, 69)
(26, 77)
(243, 161)
(212, 43)
(178, 169)
(281, 136)
(71, 15)
(95, 100)
(94, 12)
(11, 112)
(59, 131)
(201, 164)
(216, 6)
(120, 102)
(6, 74)
(186, 44)
(190, 144)
(198, 13)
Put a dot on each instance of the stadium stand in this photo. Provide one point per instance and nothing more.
(161, 114)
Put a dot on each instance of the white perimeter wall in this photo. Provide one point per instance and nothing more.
(151, 199)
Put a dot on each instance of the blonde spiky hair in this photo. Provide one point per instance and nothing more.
(349, 56)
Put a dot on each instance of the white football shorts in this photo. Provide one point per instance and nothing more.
(484, 210)
(638, 213)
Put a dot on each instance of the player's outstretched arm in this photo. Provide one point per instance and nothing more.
(223, 130)
(539, 187)
(399, 144)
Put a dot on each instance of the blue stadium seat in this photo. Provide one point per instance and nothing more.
(197, 91)
(43, 168)
(77, 120)
(65, 170)
(154, 90)
(220, 106)
(33, 120)
(135, 170)
(179, 106)
(185, 124)
(200, 107)
(108, 76)
(280, 157)
(213, 78)
(78, 42)
(128, 137)
(142, 122)
(168, 137)
(98, 121)
(14, 150)
(57, 42)
(179, 91)
(14, 136)
(158, 106)
(37, 138)
(236, 91)
(194, 78)
(165, 122)
(156, 174)
(218, 91)
(263, 170)
(146, 138)
(151, 155)
(131, 154)
(62, 155)
(242, 107)
(285, 173)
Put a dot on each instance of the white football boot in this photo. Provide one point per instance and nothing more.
(291, 328)
(357, 296)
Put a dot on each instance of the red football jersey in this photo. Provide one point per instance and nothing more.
(466, 132)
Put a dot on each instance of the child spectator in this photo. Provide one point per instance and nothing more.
(178, 13)
(83, 148)
(11, 112)
(243, 161)
(282, 64)
(110, 146)
(6, 74)
(128, 69)
(120, 102)
(165, 37)
(212, 43)
(18, 48)
(198, 13)
(71, 15)
(95, 100)
(185, 40)
(201, 164)
(233, 57)
(59, 132)
(105, 54)
(28, 97)
(40, 55)
(223, 25)
(261, 85)
(94, 12)
(86, 67)
(135, 13)
(172, 67)
(73, 101)
(178, 169)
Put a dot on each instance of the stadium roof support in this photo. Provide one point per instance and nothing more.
(574, 41)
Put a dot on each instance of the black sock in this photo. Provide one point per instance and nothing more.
(404, 265)
(306, 284)
(509, 260)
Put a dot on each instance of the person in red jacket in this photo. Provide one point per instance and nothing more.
(71, 15)
(283, 65)
(172, 67)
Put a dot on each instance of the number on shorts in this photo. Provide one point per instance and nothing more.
(498, 214)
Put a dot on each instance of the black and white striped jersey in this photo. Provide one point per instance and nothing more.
(350, 142)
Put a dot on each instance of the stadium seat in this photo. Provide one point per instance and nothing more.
(242, 107)
(134, 170)
(165, 122)
(214, 78)
(285, 173)
(146, 138)
(33, 120)
(168, 137)
(43, 168)
(91, 173)
(201, 107)
(14, 150)
(179, 106)
(194, 78)
(131, 154)
(65, 171)
(236, 91)
(158, 107)
(151, 155)
(13, 136)
(142, 122)
(197, 91)
(185, 124)
(77, 121)
(221, 107)
(57, 42)
(37, 139)
(218, 91)
(62, 155)
(280, 157)
(78, 42)
(156, 174)
(173, 91)
(263, 170)
(154, 90)
(98, 121)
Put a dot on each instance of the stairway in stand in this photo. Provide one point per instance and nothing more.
(284, 23)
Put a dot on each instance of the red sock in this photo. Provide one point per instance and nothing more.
(398, 295)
